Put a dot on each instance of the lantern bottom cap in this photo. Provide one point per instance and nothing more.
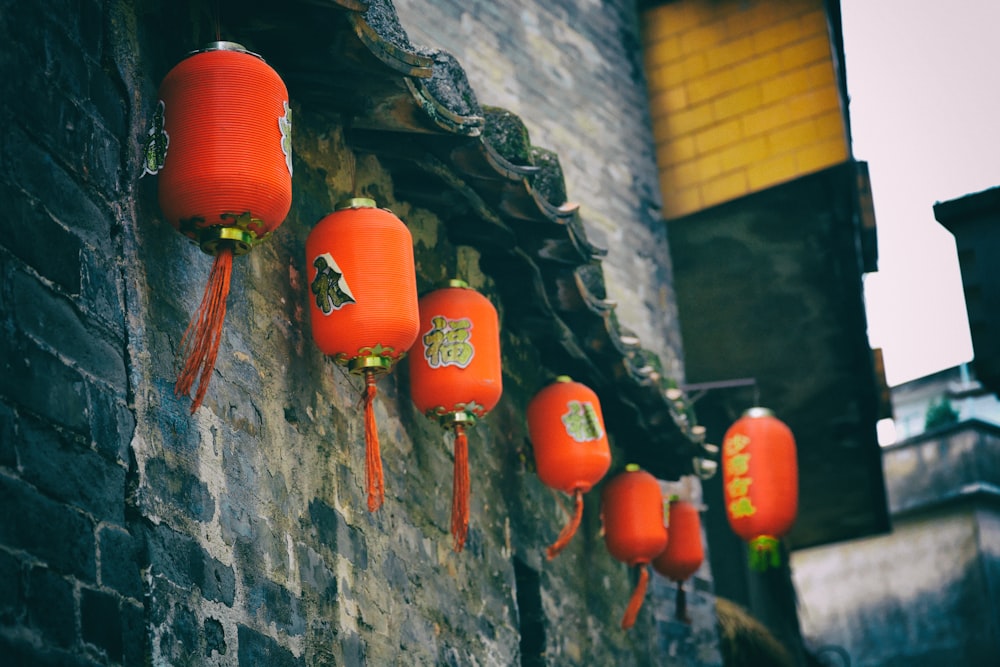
(457, 418)
(373, 363)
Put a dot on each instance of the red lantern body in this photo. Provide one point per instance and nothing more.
(566, 427)
(456, 376)
(684, 553)
(632, 507)
(221, 144)
(363, 284)
(363, 303)
(760, 482)
(227, 159)
(455, 365)
(571, 449)
(634, 532)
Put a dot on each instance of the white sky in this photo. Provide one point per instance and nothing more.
(924, 82)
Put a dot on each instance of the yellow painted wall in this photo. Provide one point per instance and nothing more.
(743, 96)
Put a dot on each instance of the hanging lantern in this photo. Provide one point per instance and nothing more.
(632, 511)
(455, 376)
(363, 304)
(567, 433)
(684, 553)
(760, 483)
(221, 145)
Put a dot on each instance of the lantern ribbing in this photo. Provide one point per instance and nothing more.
(220, 144)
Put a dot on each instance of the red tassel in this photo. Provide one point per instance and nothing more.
(635, 602)
(460, 491)
(200, 342)
(373, 457)
(569, 530)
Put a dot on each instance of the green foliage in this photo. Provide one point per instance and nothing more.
(940, 413)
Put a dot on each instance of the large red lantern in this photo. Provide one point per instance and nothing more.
(634, 532)
(570, 445)
(760, 483)
(684, 553)
(363, 304)
(221, 145)
(456, 376)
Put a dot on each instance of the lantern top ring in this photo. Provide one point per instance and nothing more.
(758, 412)
(226, 46)
(355, 202)
(375, 363)
(212, 239)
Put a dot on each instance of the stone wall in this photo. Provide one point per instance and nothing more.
(136, 533)
(926, 593)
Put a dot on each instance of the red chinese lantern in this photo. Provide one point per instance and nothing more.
(632, 510)
(760, 483)
(684, 553)
(221, 144)
(363, 304)
(456, 377)
(571, 449)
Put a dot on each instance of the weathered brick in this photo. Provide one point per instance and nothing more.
(215, 638)
(259, 649)
(120, 561)
(11, 581)
(51, 606)
(182, 490)
(134, 636)
(53, 319)
(68, 472)
(184, 562)
(102, 299)
(37, 380)
(52, 532)
(8, 435)
(101, 622)
(272, 602)
(34, 237)
(112, 424)
(34, 169)
(20, 651)
(340, 537)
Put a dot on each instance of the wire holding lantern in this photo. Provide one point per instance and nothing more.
(363, 304)
(224, 176)
(684, 553)
(456, 376)
(634, 531)
(760, 483)
(570, 444)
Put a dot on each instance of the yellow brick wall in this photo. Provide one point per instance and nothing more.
(743, 97)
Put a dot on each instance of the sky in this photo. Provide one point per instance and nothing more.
(925, 115)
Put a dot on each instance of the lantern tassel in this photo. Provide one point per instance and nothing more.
(680, 612)
(569, 530)
(460, 491)
(373, 457)
(635, 602)
(200, 342)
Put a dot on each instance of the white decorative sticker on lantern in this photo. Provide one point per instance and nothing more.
(581, 421)
(330, 286)
(285, 126)
(449, 342)
(155, 147)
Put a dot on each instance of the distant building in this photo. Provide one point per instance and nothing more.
(957, 387)
(928, 592)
